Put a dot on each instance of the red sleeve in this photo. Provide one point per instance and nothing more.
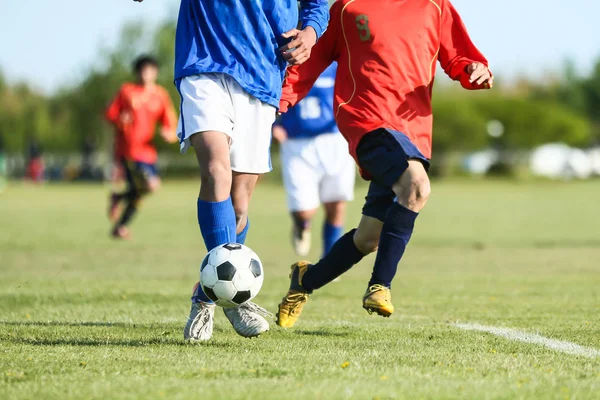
(457, 50)
(113, 112)
(301, 78)
(168, 118)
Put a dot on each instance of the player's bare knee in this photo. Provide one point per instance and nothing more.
(366, 243)
(413, 188)
(216, 175)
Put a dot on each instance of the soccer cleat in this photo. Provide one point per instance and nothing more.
(378, 299)
(247, 319)
(291, 305)
(301, 241)
(120, 232)
(199, 327)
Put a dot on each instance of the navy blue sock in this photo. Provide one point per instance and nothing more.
(331, 234)
(217, 224)
(395, 234)
(241, 237)
(342, 256)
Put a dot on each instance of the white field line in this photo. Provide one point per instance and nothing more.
(526, 337)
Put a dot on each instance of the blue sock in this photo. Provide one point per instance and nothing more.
(395, 234)
(342, 256)
(331, 234)
(241, 237)
(217, 224)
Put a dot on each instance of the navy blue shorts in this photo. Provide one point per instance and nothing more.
(383, 154)
(138, 174)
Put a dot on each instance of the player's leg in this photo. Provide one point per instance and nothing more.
(333, 226)
(131, 197)
(301, 176)
(118, 193)
(216, 215)
(350, 249)
(396, 163)
(249, 158)
(241, 193)
(206, 124)
(337, 186)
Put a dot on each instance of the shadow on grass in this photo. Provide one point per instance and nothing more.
(83, 324)
(321, 332)
(88, 342)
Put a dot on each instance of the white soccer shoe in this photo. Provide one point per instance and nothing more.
(199, 327)
(301, 241)
(248, 319)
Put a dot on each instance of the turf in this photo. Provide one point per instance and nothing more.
(83, 316)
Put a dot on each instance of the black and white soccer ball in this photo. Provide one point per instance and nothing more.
(231, 274)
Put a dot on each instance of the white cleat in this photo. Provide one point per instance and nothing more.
(248, 319)
(199, 327)
(301, 241)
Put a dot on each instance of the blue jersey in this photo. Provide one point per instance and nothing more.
(313, 115)
(241, 38)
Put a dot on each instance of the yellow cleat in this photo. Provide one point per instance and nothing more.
(378, 299)
(292, 304)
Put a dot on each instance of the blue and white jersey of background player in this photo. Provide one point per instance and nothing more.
(229, 70)
(313, 116)
(317, 167)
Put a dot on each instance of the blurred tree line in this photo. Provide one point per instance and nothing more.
(564, 110)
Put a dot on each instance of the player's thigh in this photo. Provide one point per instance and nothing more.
(251, 136)
(206, 119)
(301, 175)
(384, 155)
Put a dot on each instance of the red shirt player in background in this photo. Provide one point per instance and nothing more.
(386, 52)
(134, 112)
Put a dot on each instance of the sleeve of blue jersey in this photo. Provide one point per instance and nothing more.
(315, 13)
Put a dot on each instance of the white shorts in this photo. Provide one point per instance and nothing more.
(216, 102)
(317, 170)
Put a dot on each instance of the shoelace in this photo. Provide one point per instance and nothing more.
(295, 300)
(253, 307)
(375, 288)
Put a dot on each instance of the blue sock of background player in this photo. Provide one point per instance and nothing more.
(395, 234)
(218, 226)
(331, 234)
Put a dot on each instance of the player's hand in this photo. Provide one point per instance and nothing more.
(479, 74)
(168, 135)
(279, 133)
(125, 118)
(298, 49)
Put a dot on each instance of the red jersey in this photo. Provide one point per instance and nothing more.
(386, 52)
(134, 112)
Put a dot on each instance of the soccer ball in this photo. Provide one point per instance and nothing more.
(231, 274)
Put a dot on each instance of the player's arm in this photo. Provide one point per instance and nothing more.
(459, 57)
(313, 18)
(279, 133)
(301, 78)
(114, 111)
(168, 120)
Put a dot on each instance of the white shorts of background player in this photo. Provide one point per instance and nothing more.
(317, 170)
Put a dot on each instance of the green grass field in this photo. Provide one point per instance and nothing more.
(84, 317)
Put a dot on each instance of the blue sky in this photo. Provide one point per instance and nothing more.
(50, 43)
